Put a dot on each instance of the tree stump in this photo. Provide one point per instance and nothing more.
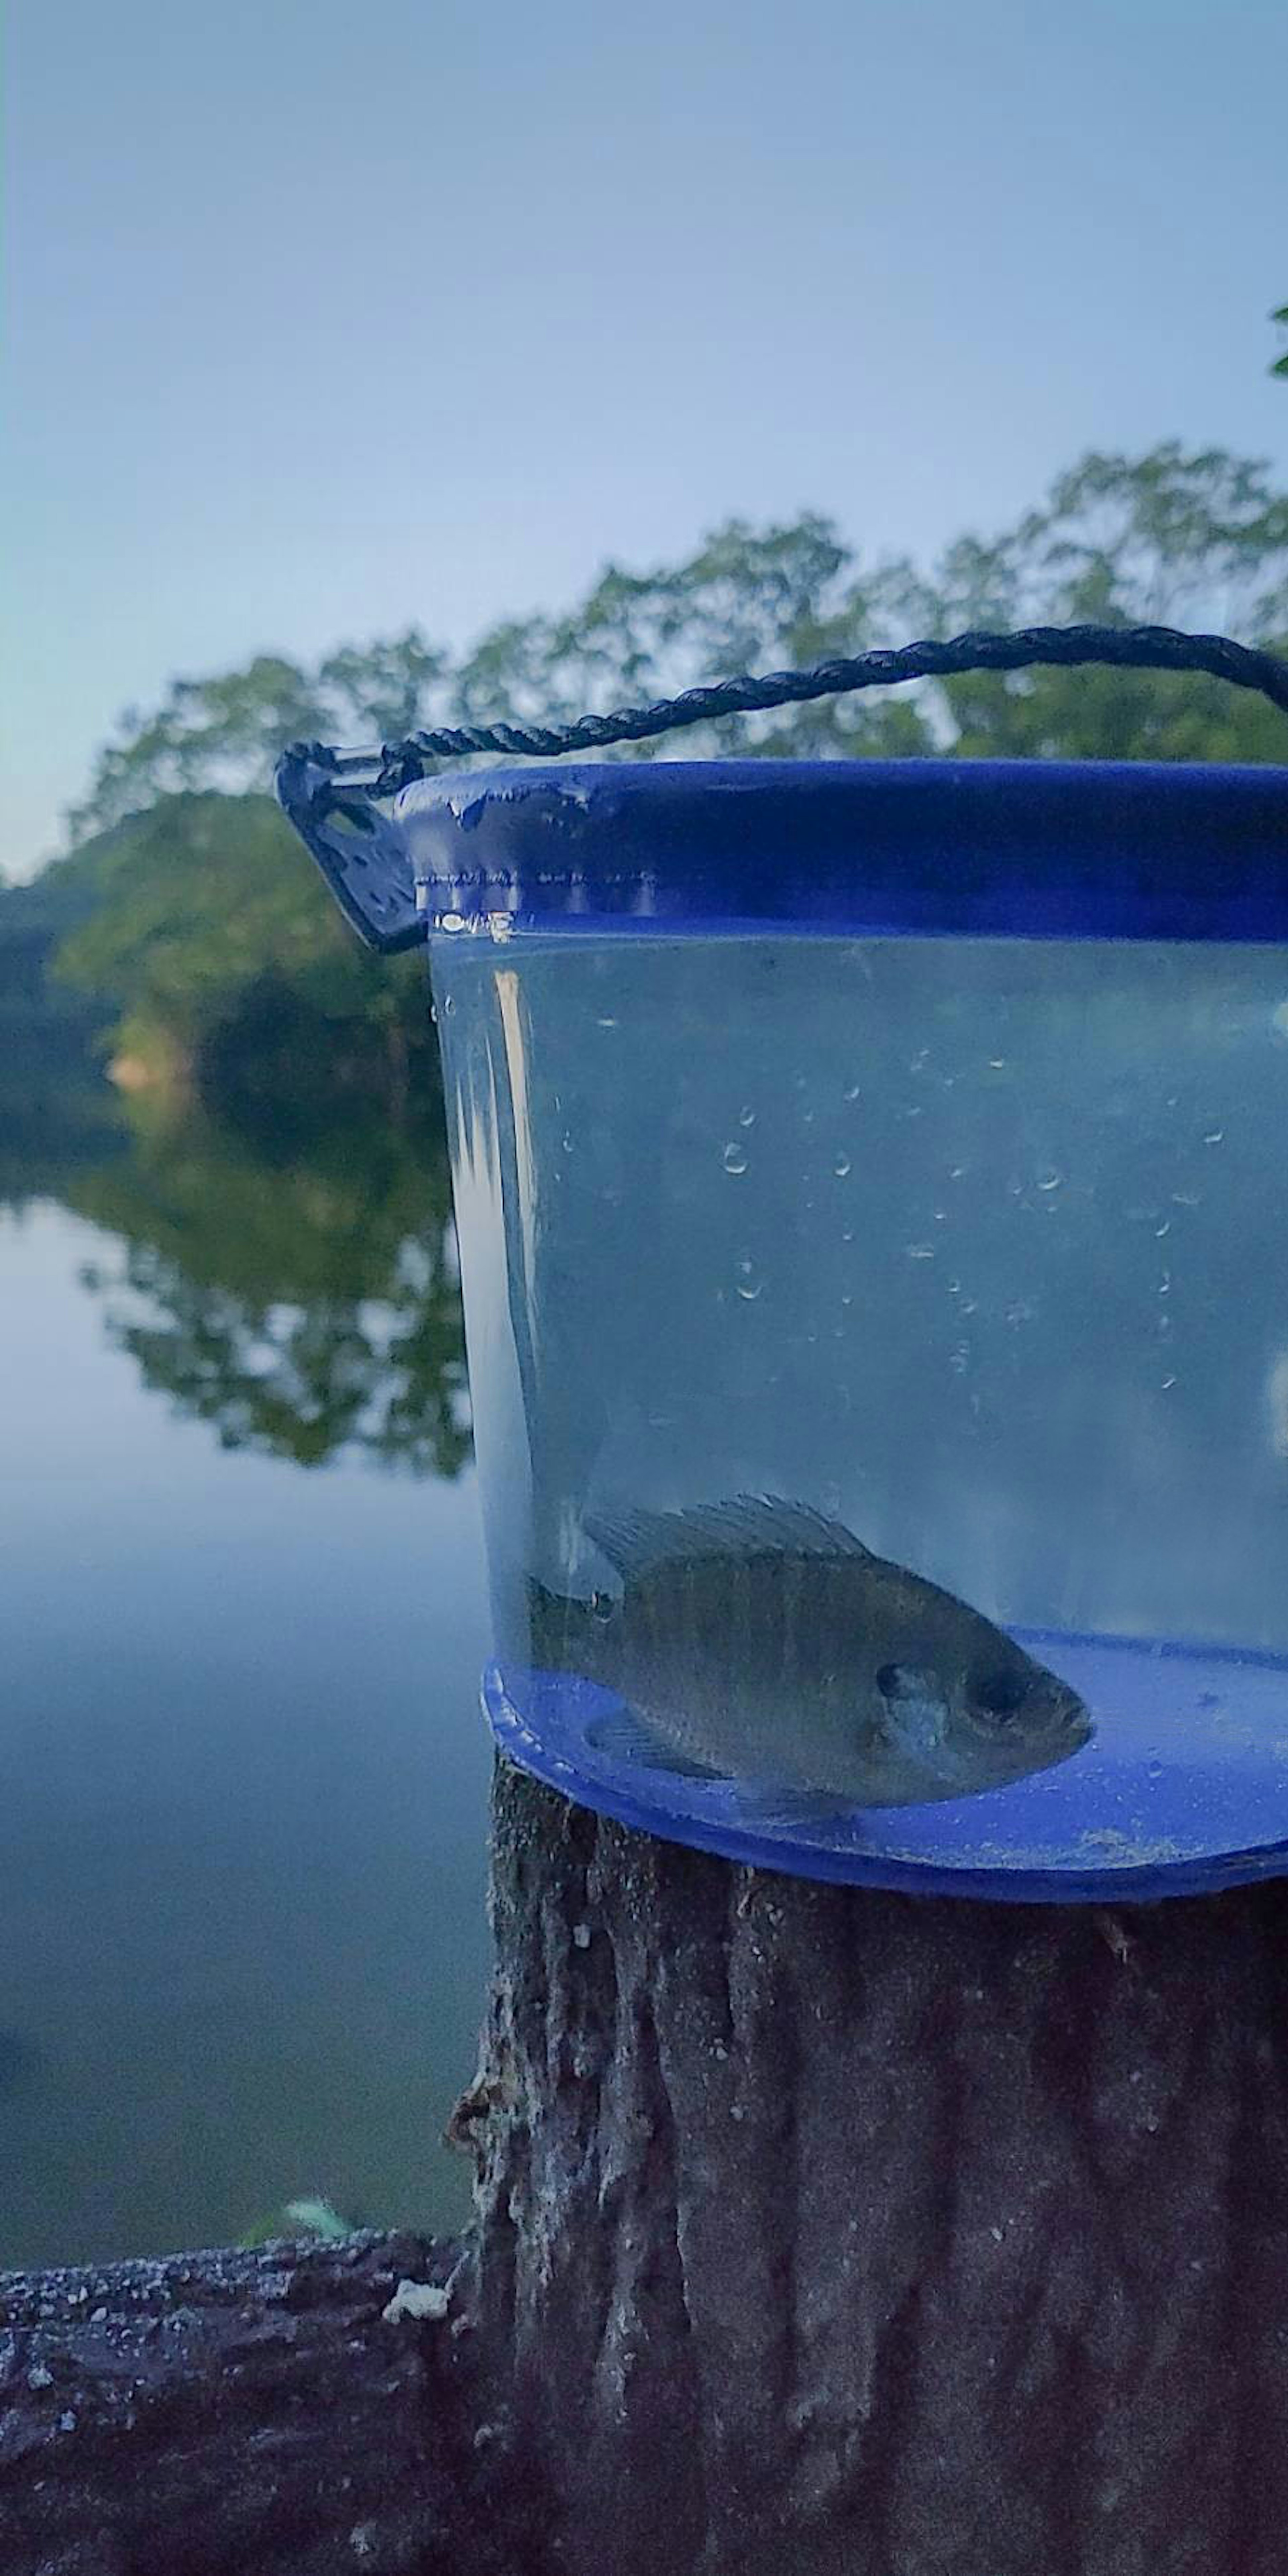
(834, 2230)
(818, 2230)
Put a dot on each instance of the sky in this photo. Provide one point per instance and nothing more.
(324, 320)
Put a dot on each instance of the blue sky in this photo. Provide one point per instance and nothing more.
(324, 319)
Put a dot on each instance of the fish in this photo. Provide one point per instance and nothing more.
(758, 1642)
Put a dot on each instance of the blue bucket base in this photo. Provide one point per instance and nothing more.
(1182, 1792)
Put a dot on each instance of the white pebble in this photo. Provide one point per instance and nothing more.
(416, 2299)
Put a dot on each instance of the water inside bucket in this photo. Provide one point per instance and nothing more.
(977, 1247)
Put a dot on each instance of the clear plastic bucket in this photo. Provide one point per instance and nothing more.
(872, 1188)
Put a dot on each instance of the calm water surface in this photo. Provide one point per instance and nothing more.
(243, 1780)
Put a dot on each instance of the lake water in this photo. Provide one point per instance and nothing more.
(243, 1776)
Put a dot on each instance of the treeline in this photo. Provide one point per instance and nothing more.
(228, 971)
(187, 914)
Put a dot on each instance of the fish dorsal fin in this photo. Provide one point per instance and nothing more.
(634, 1541)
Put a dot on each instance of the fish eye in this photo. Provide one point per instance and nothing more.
(1000, 1694)
(894, 1681)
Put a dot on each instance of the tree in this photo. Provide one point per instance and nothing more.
(1279, 366)
(1168, 538)
(220, 733)
(227, 961)
(382, 693)
(1171, 535)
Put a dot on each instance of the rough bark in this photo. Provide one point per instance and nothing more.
(817, 2230)
(833, 2230)
(249, 2414)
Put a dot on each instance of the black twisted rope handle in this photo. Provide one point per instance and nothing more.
(1140, 648)
(335, 798)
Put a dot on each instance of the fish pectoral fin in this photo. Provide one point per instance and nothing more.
(627, 1737)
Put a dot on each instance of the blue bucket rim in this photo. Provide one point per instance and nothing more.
(950, 848)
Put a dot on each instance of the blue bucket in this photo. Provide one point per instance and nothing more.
(872, 1190)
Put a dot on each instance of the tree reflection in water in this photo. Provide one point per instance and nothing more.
(297, 1292)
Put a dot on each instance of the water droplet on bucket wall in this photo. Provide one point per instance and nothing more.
(749, 1282)
(566, 1141)
(841, 1166)
(1214, 1136)
(734, 1159)
(920, 1251)
(746, 1118)
(1049, 1180)
(851, 1091)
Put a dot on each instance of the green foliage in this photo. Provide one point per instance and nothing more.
(1279, 366)
(232, 962)
(52, 1108)
(1167, 539)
